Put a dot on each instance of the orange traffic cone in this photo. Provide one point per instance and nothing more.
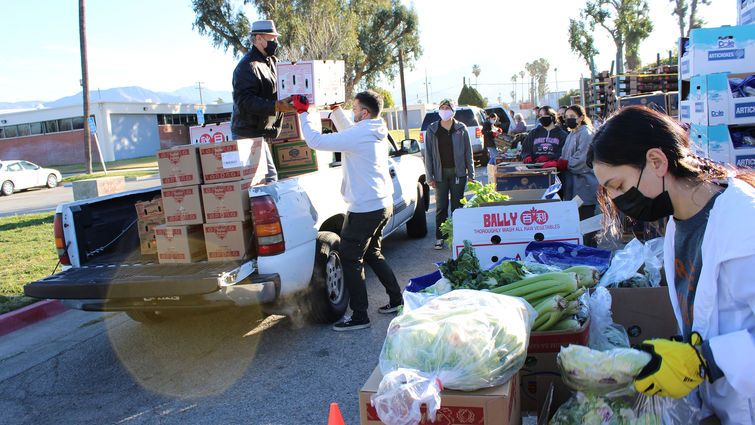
(335, 417)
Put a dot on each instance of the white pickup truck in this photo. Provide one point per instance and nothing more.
(104, 270)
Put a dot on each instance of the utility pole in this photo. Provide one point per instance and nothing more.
(427, 91)
(199, 86)
(85, 83)
(556, 71)
(403, 92)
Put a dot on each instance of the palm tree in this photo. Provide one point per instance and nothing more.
(513, 92)
(521, 77)
(476, 71)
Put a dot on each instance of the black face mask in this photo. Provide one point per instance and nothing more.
(546, 121)
(272, 48)
(571, 122)
(639, 207)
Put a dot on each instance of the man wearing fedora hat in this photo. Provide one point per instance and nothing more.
(256, 110)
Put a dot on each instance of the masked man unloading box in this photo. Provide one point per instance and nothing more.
(256, 110)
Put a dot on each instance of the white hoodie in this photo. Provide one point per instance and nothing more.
(364, 148)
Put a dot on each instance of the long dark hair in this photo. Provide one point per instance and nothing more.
(625, 138)
(580, 111)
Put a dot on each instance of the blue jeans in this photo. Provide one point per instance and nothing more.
(492, 152)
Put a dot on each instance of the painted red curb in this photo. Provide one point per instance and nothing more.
(29, 315)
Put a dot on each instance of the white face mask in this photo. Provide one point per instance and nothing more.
(446, 114)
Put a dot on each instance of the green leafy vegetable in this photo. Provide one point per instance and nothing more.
(480, 194)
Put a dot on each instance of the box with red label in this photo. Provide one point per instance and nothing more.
(290, 128)
(147, 225)
(182, 205)
(322, 81)
(235, 160)
(179, 166)
(228, 201)
(505, 229)
(488, 406)
(180, 244)
(227, 241)
(210, 133)
(148, 208)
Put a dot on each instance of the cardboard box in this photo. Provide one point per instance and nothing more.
(505, 230)
(323, 82)
(228, 201)
(227, 241)
(552, 341)
(645, 312)
(685, 111)
(290, 128)
(685, 59)
(180, 244)
(722, 49)
(722, 148)
(294, 158)
(183, 205)
(149, 208)
(745, 12)
(488, 406)
(179, 166)
(655, 101)
(698, 100)
(698, 138)
(519, 180)
(235, 160)
(539, 373)
(210, 133)
(147, 225)
(723, 107)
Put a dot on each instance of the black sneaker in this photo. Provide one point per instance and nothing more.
(389, 308)
(351, 324)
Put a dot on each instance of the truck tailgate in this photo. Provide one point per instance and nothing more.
(132, 281)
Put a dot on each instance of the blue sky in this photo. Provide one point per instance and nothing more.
(152, 44)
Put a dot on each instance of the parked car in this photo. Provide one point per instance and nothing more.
(504, 121)
(16, 175)
(473, 117)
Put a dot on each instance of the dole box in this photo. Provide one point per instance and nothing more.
(182, 205)
(505, 230)
(179, 166)
(235, 160)
(723, 106)
(723, 49)
(227, 201)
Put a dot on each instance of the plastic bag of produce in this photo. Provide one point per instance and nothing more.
(604, 333)
(402, 392)
(624, 265)
(463, 340)
(592, 409)
(666, 410)
(608, 373)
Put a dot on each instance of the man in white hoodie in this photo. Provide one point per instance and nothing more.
(368, 191)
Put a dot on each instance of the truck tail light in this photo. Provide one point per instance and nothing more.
(60, 239)
(477, 132)
(422, 137)
(268, 231)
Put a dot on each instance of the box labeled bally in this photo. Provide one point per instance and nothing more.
(180, 244)
(487, 406)
(290, 128)
(723, 106)
(505, 229)
(228, 201)
(322, 81)
(179, 166)
(210, 133)
(723, 49)
(227, 241)
(234, 160)
(183, 205)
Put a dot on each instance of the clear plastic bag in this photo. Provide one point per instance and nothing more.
(592, 409)
(464, 339)
(608, 373)
(402, 392)
(604, 333)
(626, 262)
(652, 410)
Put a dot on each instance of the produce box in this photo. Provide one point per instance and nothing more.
(698, 100)
(179, 166)
(322, 81)
(227, 241)
(147, 239)
(488, 406)
(183, 205)
(745, 12)
(645, 312)
(685, 59)
(228, 201)
(210, 133)
(504, 230)
(722, 146)
(552, 341)
(722, 49)
(723, 106)
(519, 180)
(539, 373)
(180, 244)
(148, 208)
(295, 157)
(290, 128)
(656, 101)
(235, 160)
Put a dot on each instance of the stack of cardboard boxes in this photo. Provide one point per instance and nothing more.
(722, 118)
(206, 200)
(150, 215)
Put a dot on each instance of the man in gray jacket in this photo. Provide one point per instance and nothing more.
(448, 163)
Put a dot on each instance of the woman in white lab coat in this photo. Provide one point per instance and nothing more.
(647, 170)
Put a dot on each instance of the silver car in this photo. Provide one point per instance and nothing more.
(17, 175)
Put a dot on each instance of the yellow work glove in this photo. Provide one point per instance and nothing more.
(675, 369)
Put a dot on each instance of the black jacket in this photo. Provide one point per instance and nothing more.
(255, 90)
(542, 142)
(488, 136)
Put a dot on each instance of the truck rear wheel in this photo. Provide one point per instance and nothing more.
(416, 227)
(144, 316)
(327, 296)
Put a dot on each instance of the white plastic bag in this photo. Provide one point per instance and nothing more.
(653, 256)
(463, 340)
(402, 392)
(609, 373)
(659, 410)
(604, 333)
(626, 262)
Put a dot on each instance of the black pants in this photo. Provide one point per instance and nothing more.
(361, 240)
(449, 186)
